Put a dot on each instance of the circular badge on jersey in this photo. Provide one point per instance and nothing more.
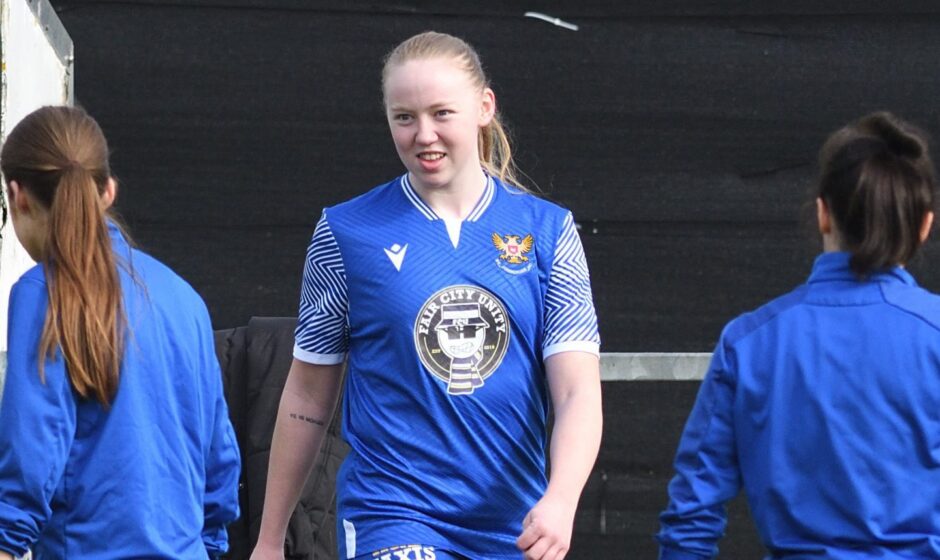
(461, 334)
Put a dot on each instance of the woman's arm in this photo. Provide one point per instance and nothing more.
(37, 423)
(574, 384)
(223, 467)
(707, 471)
(303, 417)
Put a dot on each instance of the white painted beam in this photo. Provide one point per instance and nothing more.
(654, 366)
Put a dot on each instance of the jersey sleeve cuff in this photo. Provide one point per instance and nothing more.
(572, 346)
(317, 358)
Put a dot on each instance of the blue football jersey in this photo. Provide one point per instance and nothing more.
(445, 336)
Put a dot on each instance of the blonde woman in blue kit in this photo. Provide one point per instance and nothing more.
(115, 440)
(462, 307)
(824, 404)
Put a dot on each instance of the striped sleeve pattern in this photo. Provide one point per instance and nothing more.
(570, 319)
(322, 335)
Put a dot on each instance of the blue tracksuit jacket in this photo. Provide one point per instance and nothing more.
(155, 476)
(825, 406)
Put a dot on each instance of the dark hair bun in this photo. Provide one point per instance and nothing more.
(886, 127)
(878, 182)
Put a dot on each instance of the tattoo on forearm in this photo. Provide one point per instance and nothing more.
(307, 419)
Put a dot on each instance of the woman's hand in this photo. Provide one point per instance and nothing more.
(546, 530)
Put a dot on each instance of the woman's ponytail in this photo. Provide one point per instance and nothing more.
(877, 181)
(84, 288)
(496, 153)
(59, 155)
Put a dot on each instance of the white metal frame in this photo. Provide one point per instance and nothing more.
(37, 69)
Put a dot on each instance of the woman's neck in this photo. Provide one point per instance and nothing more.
(454, 202)
(832, 243)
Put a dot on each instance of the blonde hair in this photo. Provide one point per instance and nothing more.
(493, 140)
(60, 156)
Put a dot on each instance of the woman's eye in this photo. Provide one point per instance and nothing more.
(402, 117)
(443, 112)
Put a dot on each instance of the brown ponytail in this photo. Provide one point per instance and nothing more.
(878, 182)
(60, 156)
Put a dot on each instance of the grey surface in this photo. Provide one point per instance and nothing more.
(55, 32)
(615, 366)
(654, 366)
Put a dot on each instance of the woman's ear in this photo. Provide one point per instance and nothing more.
(18, 201)
(823, 219)
(925, 226)
(109, 194)
(487, 107)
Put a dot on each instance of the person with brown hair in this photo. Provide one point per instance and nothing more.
(824, 404)
(460, 304)
(115, 440)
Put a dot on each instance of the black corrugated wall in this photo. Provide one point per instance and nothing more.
(682, 134)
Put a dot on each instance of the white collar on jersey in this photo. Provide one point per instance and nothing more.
(412, 195)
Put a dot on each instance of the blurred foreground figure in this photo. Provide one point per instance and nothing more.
(824, 404)
(115, 440)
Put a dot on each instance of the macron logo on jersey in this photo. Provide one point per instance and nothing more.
(396, 254)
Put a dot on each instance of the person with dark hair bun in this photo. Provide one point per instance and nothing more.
(877, 189)
(115, 440)
(824, 404)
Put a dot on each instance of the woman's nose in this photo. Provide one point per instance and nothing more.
(426, 133)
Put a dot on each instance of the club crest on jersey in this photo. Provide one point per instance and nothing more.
(513, 249)
(461, 335)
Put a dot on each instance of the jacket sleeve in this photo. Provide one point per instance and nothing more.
(223, 462)
(707, 472)
(37, 423)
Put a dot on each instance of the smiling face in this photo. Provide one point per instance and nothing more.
(435, 112)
